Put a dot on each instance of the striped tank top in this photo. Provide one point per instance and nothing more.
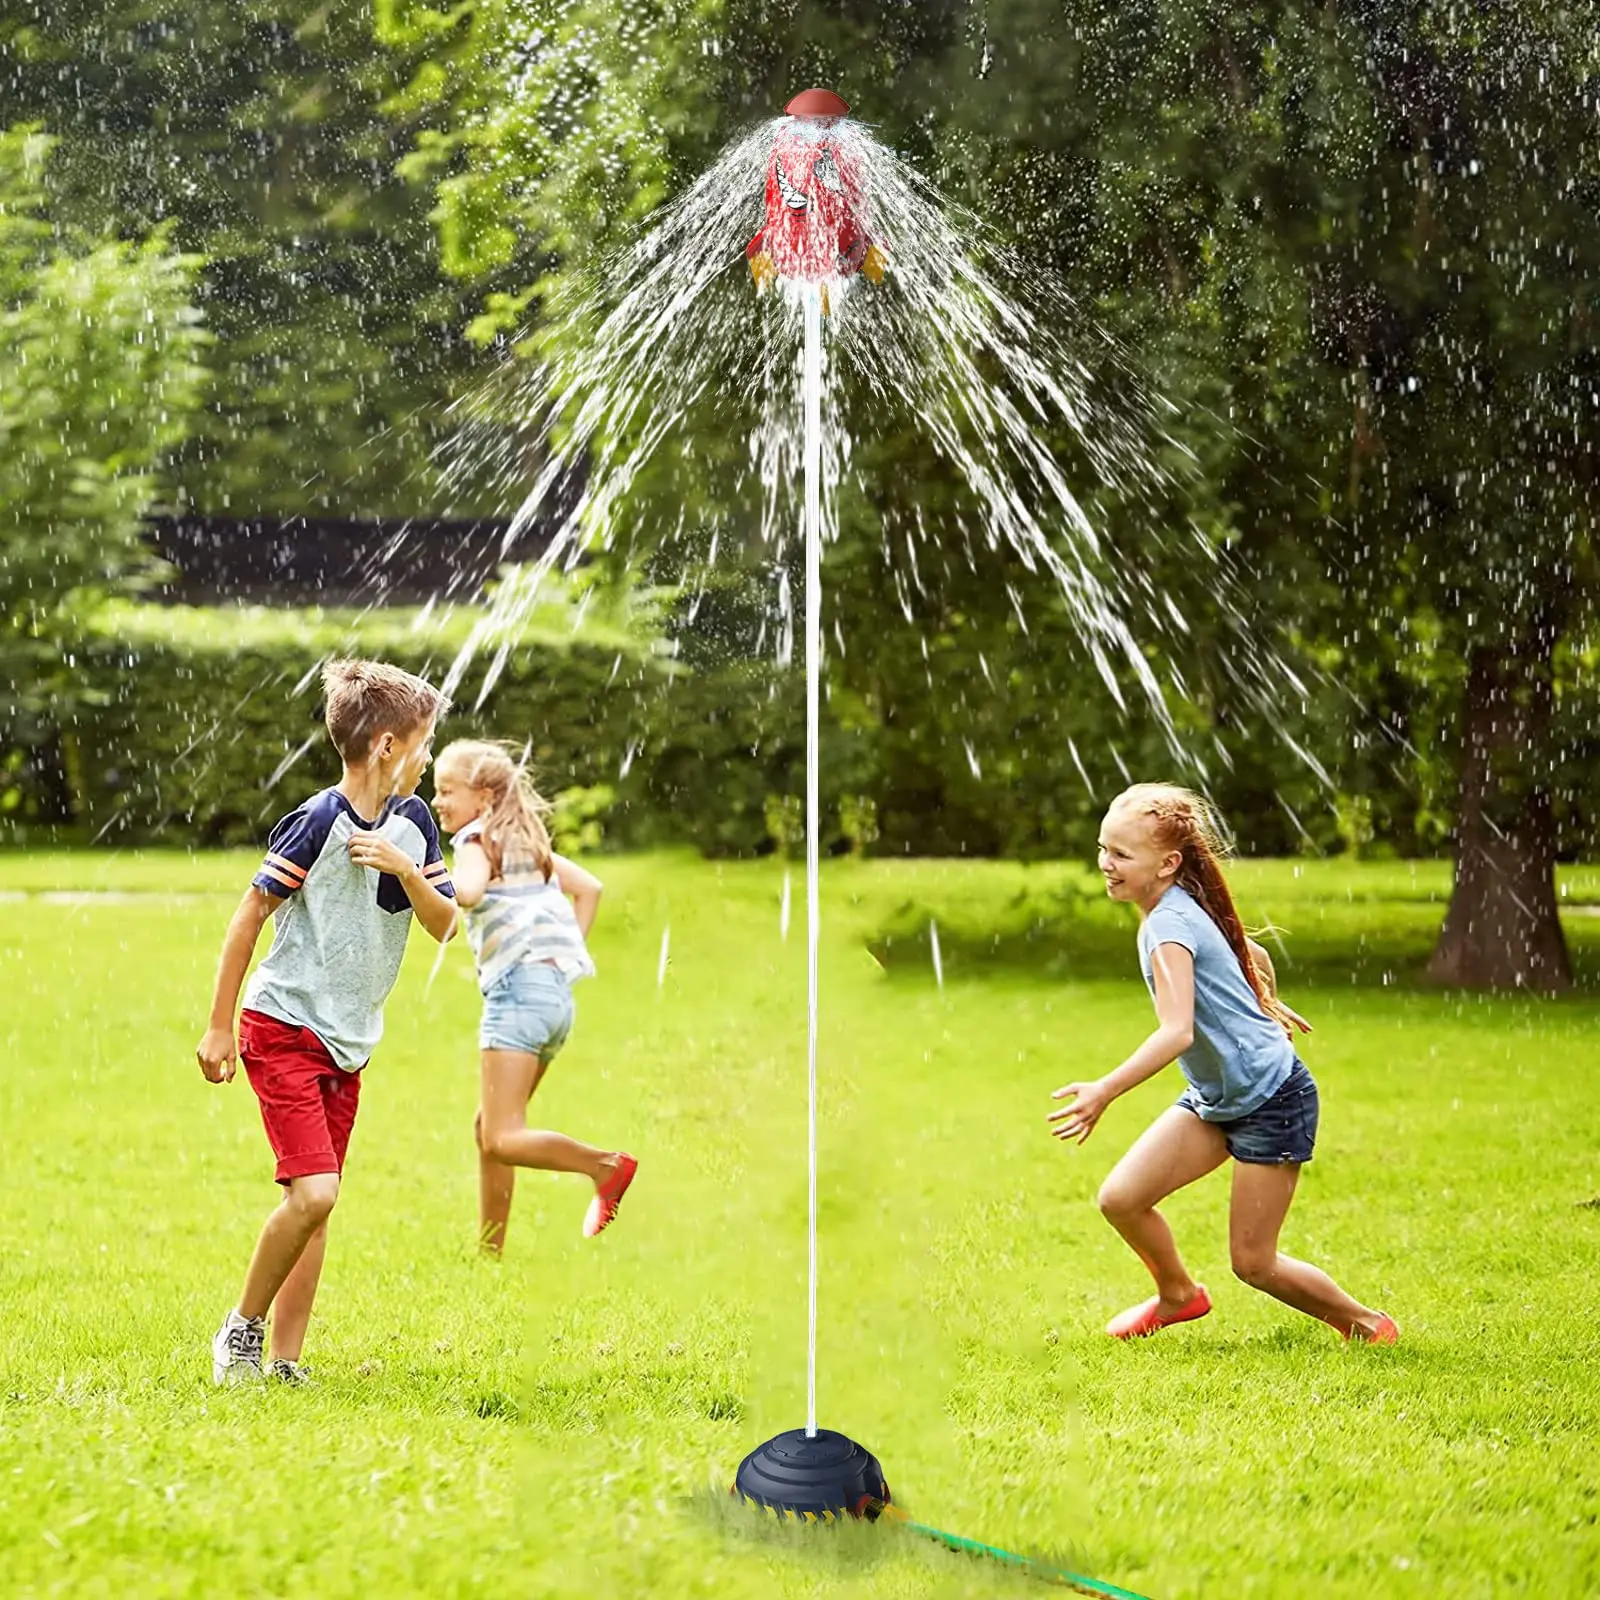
(523, 917)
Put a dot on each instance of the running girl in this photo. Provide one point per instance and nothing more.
(527, 938)
(1248, 1095)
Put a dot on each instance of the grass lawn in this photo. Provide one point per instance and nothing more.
(562, 1423)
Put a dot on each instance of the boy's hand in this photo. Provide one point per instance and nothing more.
(218, 1055)
(1078, 1120)
(373, 850)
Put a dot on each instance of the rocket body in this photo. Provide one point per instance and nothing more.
(814, 227)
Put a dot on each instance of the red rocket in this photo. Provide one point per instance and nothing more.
(815, 227)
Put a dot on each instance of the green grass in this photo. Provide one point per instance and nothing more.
(562, 1424)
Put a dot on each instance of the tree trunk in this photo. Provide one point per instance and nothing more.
(1503, 927)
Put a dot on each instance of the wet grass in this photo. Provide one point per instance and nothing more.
(566, 1423)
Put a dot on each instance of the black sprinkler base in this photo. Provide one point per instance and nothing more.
(813, 1479)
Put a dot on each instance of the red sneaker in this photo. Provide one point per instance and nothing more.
(608, 1196)
(1139, 1322)
(1388, 1332)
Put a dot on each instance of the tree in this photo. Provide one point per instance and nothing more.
(100, 381)
(258, 130)
(1377, 228)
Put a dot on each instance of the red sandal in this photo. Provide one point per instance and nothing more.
(1387, 1332)
(608, 1196)
(1139, 1322)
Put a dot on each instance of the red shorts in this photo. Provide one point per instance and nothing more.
(308, 1104)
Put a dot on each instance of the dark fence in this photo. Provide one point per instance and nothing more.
(288, 561)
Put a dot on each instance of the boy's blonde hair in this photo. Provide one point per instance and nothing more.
(515, 820)
(367, 698)
(1181, 820)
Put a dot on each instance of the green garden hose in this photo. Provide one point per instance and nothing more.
(1037, 1569)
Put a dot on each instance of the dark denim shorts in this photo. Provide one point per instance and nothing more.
(1282, 1128)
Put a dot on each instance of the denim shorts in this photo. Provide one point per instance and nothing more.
(1282, 1128)
(528, 1008)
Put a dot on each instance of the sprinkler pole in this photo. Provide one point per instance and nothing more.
(813, 528)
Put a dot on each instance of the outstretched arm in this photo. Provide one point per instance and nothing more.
(218, 1051)
(583, 887)
(1173, 968)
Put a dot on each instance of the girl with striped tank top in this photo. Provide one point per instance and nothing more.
(527, 913)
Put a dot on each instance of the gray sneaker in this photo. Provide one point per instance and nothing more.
(236, 1350)
(288, 1372)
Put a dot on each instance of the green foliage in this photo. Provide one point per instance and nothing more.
(1357, 249)
(785, 816)
(858, 822)
(579, 824)
(253, 129)
(593, 98)
(100, 381)
(1365, 242)
(200, 726)
(211, 722)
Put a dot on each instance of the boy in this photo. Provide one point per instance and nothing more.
(343, 889)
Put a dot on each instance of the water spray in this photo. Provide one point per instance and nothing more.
(992, 382)
(814, 236)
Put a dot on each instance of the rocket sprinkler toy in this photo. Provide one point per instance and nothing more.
(815, 230)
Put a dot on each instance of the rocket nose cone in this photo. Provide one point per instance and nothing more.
(817, 103)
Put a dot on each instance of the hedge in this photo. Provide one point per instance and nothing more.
(200, 726)
(205, 724)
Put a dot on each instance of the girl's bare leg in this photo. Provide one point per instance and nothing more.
(509, 1079)
(1174, 1151)
(1261, 1196)
(496, 1184)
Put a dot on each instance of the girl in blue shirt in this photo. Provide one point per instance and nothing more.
(1247, 1094)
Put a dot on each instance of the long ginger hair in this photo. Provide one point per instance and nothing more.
(1181, 820)
(515, 821)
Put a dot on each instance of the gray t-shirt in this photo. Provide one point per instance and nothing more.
(1240, 1056)
(341, 930)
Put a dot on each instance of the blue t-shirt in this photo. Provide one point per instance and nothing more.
(1240, 1056)
(341, 929)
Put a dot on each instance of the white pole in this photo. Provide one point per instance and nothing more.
(813, 528)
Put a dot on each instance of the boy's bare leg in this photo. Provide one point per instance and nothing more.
(496, 1184)
(291, 1309)
(303, 1212)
